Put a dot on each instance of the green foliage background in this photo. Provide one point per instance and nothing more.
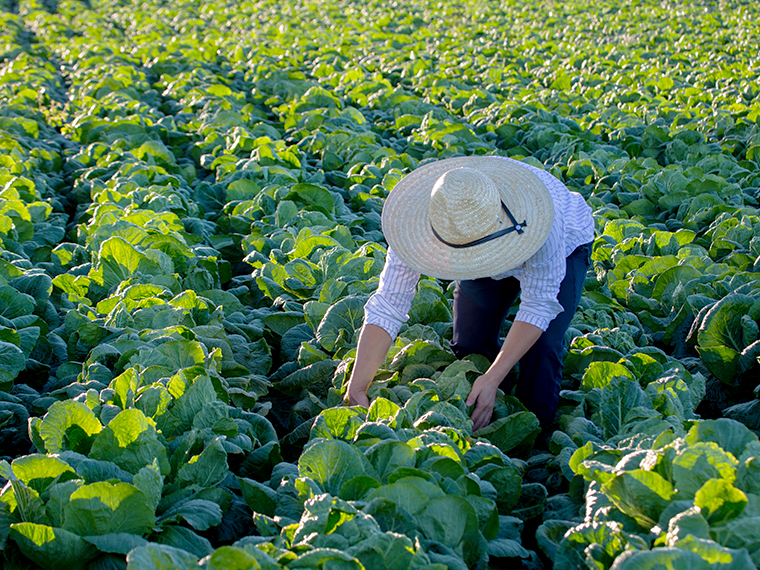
(189, 214)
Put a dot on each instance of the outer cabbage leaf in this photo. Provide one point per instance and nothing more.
(105, 508)
(730, 435)
(603, 542)
(331, 463)
(696, 464)
(345, 315)
(130, 441)
(516, 430)
(384, 552)
(720, 340)
(68, 425)
(642, 495)
(155, 556)
(662, 558)
(620, 402)
(54, 548)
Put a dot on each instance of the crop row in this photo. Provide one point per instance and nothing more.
(177, 402)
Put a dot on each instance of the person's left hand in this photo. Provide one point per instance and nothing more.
(357, 397)
(483, 395)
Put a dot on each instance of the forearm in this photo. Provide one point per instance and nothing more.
(373, 346)
(520, 338)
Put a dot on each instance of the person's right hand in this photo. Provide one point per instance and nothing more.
(358, 397)
(483, 397)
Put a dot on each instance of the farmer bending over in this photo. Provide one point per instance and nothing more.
(497, 227)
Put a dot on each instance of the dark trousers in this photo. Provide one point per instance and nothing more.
(480, 307)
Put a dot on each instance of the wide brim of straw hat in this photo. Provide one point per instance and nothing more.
(407, 228)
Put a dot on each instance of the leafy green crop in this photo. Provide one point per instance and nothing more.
(190, 198)
(690, 494)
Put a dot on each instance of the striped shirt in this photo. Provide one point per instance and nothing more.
(540, 276)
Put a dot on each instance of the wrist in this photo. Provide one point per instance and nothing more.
(355, 387)
(495, 375)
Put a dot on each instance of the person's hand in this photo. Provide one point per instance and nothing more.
(372, 349)
(358, 397)
(483, 396)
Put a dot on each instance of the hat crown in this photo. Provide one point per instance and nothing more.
(465, 205)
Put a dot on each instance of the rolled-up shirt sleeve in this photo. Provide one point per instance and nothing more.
(389, 306)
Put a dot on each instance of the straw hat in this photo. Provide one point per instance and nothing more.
(468, 217)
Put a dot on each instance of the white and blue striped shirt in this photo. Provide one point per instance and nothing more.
(540, 276)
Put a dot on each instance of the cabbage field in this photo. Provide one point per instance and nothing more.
(190, 198)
